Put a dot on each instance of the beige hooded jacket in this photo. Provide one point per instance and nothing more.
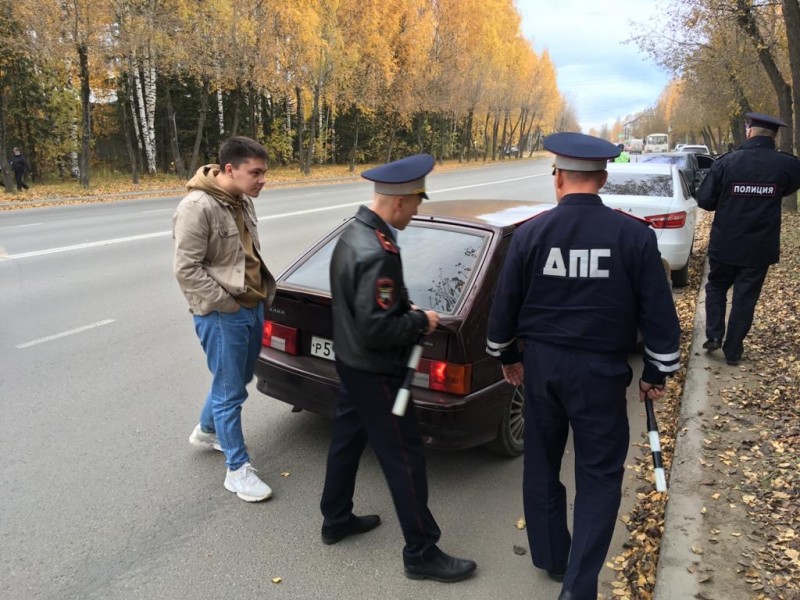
(210, 258)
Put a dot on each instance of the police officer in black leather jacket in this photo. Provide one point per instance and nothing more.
(744, 188)
(577, 283)
(374, 327)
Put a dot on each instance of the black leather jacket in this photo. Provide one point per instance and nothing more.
(374, 325)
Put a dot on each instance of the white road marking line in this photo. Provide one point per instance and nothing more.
(296, 213)
(156, 210)
(131, 238)
(50, 338)
(19, 226)
(474, 185)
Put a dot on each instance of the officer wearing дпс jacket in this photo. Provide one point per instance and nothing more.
(374, 327)
(744, 188)
(576, 284)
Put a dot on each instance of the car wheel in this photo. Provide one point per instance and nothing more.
(511, 431)
(680, 278)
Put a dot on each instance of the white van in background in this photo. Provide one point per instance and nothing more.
(656, 142)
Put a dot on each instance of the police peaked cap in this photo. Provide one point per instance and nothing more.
(402, 177)
(755, 119)
(580, 152)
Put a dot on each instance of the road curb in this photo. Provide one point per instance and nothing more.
(176, 192)
(683, 516)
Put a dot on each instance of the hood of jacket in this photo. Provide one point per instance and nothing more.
(205, 180)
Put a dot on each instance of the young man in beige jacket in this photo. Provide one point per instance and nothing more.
(221, 272)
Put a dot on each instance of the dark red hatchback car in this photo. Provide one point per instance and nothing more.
(452, 254)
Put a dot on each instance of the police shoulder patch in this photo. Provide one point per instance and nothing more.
(386, 243)
(633, 216)
(384, 292)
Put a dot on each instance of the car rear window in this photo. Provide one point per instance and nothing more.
(664, 159)
(638, 184)
(438, 265)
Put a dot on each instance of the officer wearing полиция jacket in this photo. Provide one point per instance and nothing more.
(744, 188)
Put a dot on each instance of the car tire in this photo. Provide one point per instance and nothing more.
(510, 440)
(680, 278)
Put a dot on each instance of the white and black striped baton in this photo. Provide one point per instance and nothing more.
(655, 445)
(404, 393)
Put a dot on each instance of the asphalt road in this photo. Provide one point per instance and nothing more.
(101, 383)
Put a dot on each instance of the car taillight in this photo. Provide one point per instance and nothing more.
(443, 376)
(280, 337)
(674, 220)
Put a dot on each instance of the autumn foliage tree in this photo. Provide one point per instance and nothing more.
(317, 81)
(729, 57)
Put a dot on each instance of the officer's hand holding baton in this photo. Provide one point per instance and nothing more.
(649, 392)
(404, 393)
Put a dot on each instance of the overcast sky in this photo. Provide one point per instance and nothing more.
(602, 76)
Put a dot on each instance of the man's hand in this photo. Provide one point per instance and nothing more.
(433, 320)
(654, 391)
(513, 373)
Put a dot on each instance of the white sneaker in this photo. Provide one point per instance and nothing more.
(204, 440)
(246, 484)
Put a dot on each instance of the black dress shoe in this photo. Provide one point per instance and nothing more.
(733, 362)
(441, 567)
(712, 344)
(566, 595)
(557, 576)
(356, 525)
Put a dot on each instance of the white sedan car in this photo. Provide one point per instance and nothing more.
(658, 193)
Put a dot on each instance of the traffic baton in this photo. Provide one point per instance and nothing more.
(404, 393)
(655, 445)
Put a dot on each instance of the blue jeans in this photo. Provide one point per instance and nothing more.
(231, 342)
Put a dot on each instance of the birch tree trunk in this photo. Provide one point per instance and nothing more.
(149, 70)
(74, 165)
(143, 120)
(220, 114)
(136, 129)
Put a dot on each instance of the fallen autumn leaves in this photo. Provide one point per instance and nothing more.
(751, 452)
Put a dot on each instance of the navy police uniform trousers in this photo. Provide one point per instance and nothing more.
(747, 283)
(365, 414)
(570, 387)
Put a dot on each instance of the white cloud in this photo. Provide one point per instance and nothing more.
(603, 76)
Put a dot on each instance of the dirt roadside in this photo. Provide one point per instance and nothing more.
(735, 493)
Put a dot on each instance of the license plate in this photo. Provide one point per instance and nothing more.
(322, 347)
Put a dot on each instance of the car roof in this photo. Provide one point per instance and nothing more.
(496, 213)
